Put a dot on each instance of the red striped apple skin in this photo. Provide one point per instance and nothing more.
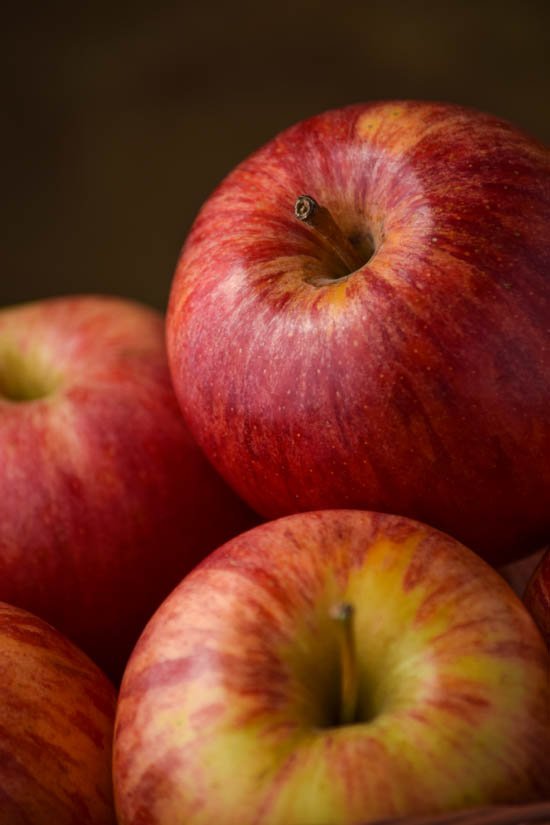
(227, 709)
(106, 501)
(419, 384)
(57, 712)
(537, 595)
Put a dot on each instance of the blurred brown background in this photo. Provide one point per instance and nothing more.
(119, 119)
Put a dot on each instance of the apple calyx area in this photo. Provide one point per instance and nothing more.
(342, 613)
(320, 220)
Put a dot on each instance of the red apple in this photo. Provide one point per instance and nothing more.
(105, 500)
(57, 711)
(391, 353)
(245, 701)
(537, 595)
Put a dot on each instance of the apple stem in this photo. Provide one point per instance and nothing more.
(342, 614)
(307, 210)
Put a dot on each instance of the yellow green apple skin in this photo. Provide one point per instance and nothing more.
(57, 712)
(229, 706)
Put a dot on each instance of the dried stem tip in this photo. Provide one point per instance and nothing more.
(304, 207)
(343, 613)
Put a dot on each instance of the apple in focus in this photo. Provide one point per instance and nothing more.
(248, 698)
(382, 343)
(105, 499)
(57, 711)
(537, 595)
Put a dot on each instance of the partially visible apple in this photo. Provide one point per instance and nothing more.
(333, 667)
(105, 500)
(57, 711)
(537, 595)
(386, 349)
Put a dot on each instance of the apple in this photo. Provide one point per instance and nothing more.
(333, 667)
(105, 499)
(57, 711)
(359, 319)
(537, 595)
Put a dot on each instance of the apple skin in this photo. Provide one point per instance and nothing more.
(419, 384)
(226, 711)
(537, 595)
(57, 711)
(106, 501)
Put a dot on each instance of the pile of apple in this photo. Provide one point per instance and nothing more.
(356, 390)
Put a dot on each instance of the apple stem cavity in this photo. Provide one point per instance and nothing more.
(342, 614)
(318, 218)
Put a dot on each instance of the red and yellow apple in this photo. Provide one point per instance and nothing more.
(106, 501)
(247, 699)
(57, 711)
(386, 349)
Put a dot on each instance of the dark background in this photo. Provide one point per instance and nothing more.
(119, 119)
